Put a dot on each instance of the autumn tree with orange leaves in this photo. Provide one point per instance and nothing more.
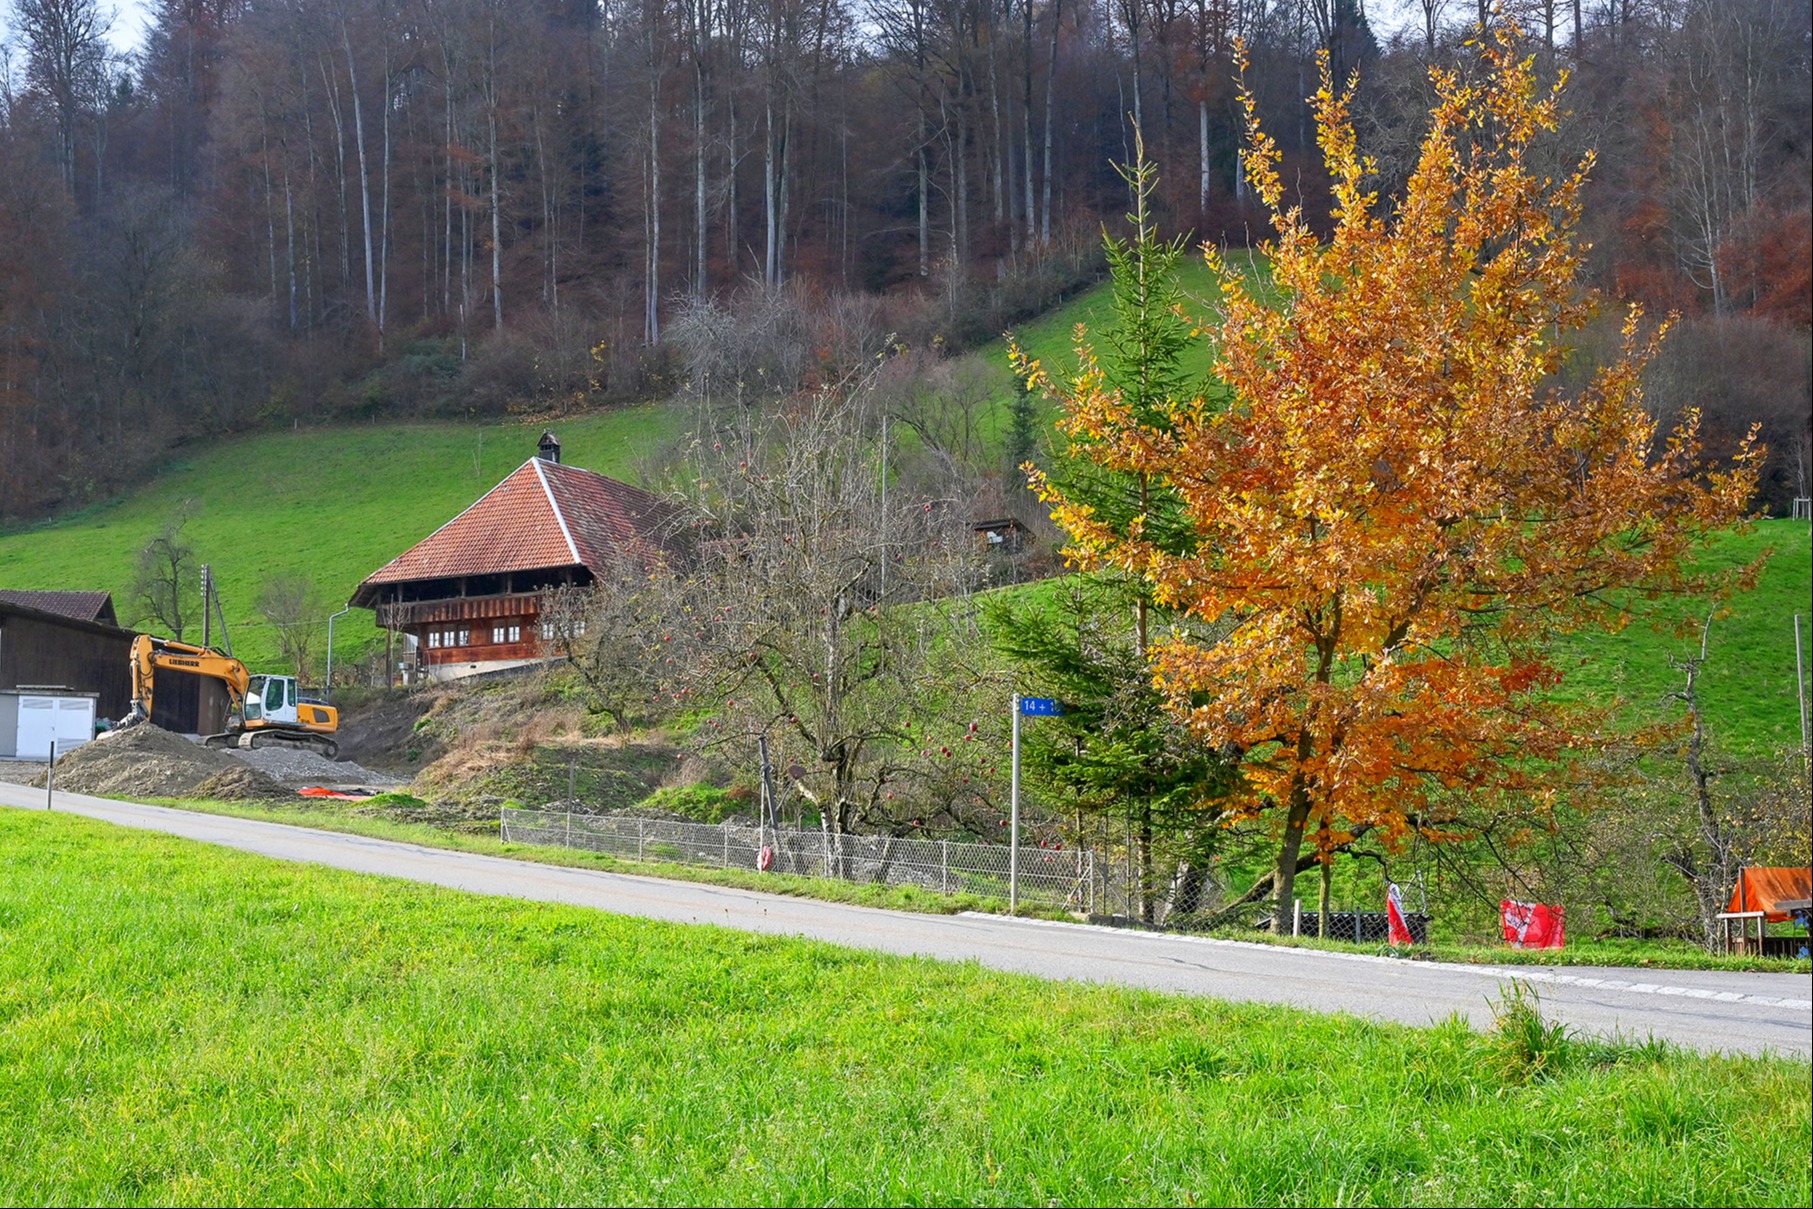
(1393, 502)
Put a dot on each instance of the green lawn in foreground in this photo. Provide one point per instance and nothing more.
(180, 1024)
(331, 504)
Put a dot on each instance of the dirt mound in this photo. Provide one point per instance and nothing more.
(240, 785)
(141, 761)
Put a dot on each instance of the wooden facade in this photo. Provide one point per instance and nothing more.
(47, 650)
(505, 628)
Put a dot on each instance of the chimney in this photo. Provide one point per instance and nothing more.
(549, 449)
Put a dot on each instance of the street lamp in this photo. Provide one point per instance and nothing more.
(330, 650)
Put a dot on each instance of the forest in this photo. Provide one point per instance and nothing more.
(305, 212)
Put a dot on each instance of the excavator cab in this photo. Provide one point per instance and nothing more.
(270, 699)
(273, 701)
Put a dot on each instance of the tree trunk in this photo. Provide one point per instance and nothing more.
(1032, 219)
(770, 198)
(352, 76)
(1051, 75)
(289, 242)
(384, 214)
(994, 111)
(701, 274)
(651, 288)
(1284, 875)
(1202, 138)
(332, 83)
(497, 224)
(1322, 895)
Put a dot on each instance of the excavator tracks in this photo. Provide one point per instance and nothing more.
(250, 740)
(321, 745)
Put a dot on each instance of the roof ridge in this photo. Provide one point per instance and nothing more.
(559, 516)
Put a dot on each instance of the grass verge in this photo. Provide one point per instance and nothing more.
(185, 1024)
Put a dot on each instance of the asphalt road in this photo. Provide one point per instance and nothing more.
(1737, 1013)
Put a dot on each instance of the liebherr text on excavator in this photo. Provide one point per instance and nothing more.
(263, 711)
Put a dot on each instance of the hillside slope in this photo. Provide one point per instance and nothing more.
(335, 504)
(332, 505)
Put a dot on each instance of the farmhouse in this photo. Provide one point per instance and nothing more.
(63, 663)
(468, 597)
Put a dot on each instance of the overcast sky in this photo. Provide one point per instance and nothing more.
(129, 21)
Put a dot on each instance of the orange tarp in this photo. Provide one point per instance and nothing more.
(1759, 889)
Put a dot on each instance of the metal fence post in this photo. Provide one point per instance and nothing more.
(944, 866)
(50, 774)
(567, 820)
(641, 831)
(726, 863)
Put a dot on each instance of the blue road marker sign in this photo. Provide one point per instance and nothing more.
(1041, 707)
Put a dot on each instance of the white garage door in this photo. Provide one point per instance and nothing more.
(75, 723)
(67, 720)
(37, 727)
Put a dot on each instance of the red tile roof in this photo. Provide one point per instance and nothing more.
(543, 515)
(83, 606)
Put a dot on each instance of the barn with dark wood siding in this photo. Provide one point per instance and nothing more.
(68, 641)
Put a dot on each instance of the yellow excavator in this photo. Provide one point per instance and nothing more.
(263, 711)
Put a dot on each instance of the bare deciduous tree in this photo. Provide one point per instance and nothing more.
(828, 603)
(623, 635)
(66, 52)
(168, 576)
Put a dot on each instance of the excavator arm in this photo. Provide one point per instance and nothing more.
(150, 653)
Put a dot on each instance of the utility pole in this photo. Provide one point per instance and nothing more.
(329, 687)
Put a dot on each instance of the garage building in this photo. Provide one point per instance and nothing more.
(63, 664)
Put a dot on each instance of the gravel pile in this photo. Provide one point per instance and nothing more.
(298, 768)
(143, 761)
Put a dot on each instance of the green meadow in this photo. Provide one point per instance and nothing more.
(182, 1025)
(330, 504)
(1748, 683)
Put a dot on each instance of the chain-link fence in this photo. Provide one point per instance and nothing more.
(1061, 877)
(1361, 927)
